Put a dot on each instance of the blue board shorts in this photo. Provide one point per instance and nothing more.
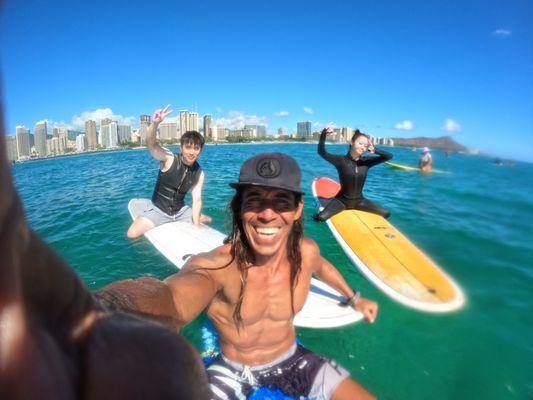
(299, 372)
(159, 217)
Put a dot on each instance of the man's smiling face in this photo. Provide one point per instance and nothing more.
(267, 217)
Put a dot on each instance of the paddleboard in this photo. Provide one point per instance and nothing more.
(178, 241)
(410, 168)
(388, 258)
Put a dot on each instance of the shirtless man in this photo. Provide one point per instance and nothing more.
(178, 173)
(252, 287)
(425, 161)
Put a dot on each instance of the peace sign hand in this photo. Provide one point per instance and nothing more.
(160, 114)
(329, 131)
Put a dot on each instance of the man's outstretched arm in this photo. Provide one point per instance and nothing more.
(174, 302)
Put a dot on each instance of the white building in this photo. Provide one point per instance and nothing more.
(124, 133)
(168, 130)
(193, 121)
(113, 134)
(184, 122)
(40, 132)
(103, 138)
(23, 142)
(81, 143)
(11, 147)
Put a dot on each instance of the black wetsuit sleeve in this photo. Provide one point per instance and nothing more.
(382, 156)
(332, 158)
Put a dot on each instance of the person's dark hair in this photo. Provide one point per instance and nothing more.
(241, 251)
(357, 134)
(193, 137)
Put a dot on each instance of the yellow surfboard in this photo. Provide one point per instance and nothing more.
(388, 258)
(415, 169)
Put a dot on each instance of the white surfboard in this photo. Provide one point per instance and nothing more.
(178, 241)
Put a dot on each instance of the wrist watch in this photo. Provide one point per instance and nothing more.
(352, 300)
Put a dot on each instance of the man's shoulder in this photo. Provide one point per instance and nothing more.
(309, 246)
(212, 261)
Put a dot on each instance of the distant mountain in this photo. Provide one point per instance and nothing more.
(442, 143)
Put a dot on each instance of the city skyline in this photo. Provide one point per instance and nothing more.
(390, 69)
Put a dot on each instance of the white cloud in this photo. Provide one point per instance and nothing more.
(78, 121)
(405, 125)
(308, 110)
(502, 33)
(237, 120)
(218, 109)
(451, 126)
(282, 113)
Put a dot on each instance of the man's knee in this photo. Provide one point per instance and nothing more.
(138, 228)
(133, 232)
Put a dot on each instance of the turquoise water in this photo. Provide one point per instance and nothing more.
(475, 222)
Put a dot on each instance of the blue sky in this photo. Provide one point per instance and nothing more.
(391, 68)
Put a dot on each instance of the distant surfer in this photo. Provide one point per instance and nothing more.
(425, 161)
(352, 170)
(251, 289)
(178, 173)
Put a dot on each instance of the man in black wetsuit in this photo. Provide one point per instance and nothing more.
(178, 173)
(352, 169)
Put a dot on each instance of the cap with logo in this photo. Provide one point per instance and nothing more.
(276, 170)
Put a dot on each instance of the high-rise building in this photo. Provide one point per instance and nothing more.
(213, 132)
(303, 129)
(103, 137)
(193, 121)
(145, 123)
(55, 132)
(184, 121)
(90, 134)
(168, 130)
(207, 125)
(281, 132)
(63, 138)
(113, 134)
(346, 134)
(23, 142)
(11, 147)
(54, 146)
(81, 143)
(218, 133)
(241, 133)
(124, 133)
(40, 132)
(260, 130)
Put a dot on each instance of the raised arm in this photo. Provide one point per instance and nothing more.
(382, 156)
(155, 149)
(327, 273)
(332, 158)
(196, 194)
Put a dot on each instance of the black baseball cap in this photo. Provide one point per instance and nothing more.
(276, 170)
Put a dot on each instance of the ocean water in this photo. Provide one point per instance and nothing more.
(475, 222)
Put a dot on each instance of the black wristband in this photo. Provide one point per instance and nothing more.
(352, 300)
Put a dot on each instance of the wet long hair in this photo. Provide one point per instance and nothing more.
(242, 253)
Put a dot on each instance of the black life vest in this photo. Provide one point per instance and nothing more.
(172, 185)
